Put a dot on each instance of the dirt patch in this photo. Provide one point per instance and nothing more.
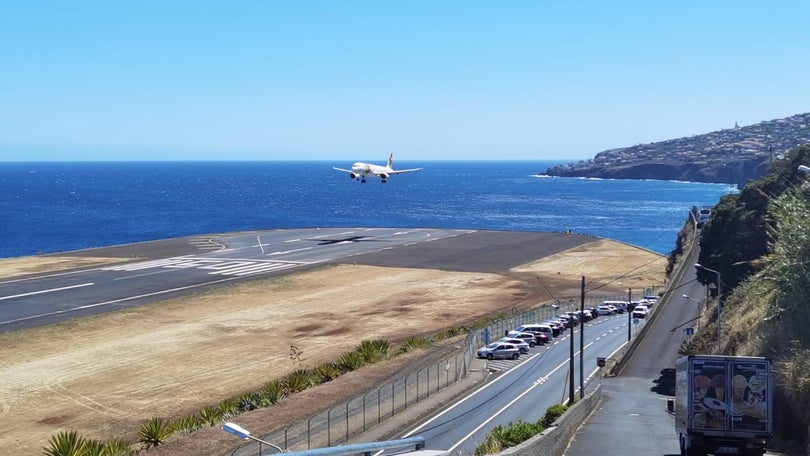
(105, 375)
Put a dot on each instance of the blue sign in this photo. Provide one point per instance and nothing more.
(690, 331)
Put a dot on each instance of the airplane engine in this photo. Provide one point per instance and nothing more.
(383, 176)
(352, 176)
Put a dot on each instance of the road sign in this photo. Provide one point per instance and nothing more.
(690, 330)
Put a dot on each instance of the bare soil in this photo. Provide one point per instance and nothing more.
(104, 376)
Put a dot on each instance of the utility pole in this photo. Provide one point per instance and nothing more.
(629, 314)
(582, 341)
(571, 362)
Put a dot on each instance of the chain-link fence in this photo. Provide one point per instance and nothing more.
(339, 424)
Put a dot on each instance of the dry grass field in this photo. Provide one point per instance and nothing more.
(103, 376)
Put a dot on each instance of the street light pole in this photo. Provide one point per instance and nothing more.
(719, 299)
(242, 433)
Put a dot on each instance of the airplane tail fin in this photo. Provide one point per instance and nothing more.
(391, 161)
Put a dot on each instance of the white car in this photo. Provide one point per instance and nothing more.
(521, 344)
(499, 350)
(640, 311)
(605, 310)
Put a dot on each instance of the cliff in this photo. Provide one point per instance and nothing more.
(733, 156)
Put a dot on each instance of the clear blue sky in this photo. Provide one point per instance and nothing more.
(347, 80)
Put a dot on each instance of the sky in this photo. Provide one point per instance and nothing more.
(426, 80)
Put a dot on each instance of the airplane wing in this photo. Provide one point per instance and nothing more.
(403, 171)
(344, 170)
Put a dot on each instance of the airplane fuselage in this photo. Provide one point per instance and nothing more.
(360, 170)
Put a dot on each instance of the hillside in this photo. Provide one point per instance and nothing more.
(758, 241)
(732, 156)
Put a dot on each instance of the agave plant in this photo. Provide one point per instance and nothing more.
(66, 443)
(272, 393)
(327, 372)
(94, 448)
(228, 408)
(349, 361)
(155, 431)
(115, 447)
(299, 380)
(210, 415)
(373, 350)
(413, 343)
(188, 424)
(249, 401)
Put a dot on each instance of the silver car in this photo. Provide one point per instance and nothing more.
(501, 350)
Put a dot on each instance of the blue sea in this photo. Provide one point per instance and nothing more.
(51, 207)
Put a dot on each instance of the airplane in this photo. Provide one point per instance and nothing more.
(360, 170)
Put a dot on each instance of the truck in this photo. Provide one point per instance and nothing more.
(723, 404)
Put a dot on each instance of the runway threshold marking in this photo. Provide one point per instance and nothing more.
(46, 291)
(237, 267)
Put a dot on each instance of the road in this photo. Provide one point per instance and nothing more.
(523, 392)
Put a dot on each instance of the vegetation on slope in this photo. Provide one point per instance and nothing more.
(760, 242)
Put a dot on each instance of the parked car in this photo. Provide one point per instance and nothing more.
(618, 306)
(605, 310)
(641, 311)
(557, 326)
(537, 328)
(499, 350)
(530, 338)
(521, 344)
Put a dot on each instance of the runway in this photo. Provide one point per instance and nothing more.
(160, 270)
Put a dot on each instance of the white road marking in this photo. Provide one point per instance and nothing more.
(235, 267)
(46, 291)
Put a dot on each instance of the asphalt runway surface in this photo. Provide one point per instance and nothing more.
(160, 270)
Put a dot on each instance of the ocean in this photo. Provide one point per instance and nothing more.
(50, 207)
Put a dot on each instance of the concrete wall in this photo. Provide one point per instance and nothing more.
(554, 440)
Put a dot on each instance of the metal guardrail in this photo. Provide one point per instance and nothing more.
(417, 443)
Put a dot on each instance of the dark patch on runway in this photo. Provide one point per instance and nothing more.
(478, 251)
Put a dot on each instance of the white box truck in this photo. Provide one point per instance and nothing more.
(723, 404)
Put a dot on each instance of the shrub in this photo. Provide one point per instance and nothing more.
(552, 413)
(413, 343)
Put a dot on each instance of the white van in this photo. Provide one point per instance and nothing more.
(621, 306)
(537, 327)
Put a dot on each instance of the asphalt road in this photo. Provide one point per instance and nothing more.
(155, 271)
